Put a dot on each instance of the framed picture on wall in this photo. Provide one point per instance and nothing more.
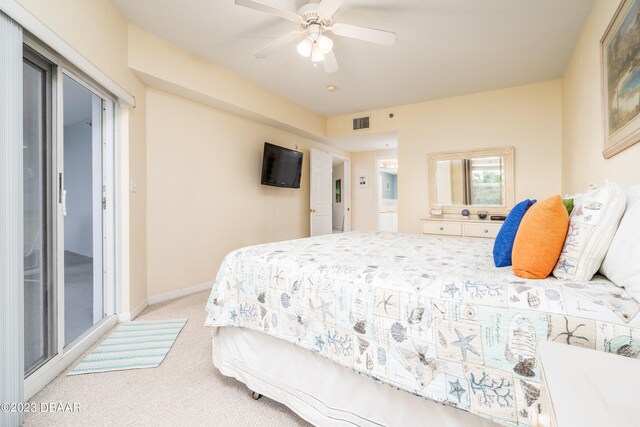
(363, 181)
(620, 58)
(338, 191)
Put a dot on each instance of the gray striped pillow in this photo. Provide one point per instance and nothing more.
(592, 225)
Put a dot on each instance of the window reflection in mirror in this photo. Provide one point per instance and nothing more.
(486, 183)
(472, 179)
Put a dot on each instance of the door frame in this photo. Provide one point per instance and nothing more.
(378, 187)
(346, 189)
(346, 197)
(65, 355)
(50, 190)
(312, 207)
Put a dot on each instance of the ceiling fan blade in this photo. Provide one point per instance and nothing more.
(262, 7)
(372, 35)
(279, 43)
(330, 63)
(327, 8)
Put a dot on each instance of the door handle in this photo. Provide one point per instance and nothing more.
(64, 202)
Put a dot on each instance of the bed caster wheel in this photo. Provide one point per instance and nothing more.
(255, 395)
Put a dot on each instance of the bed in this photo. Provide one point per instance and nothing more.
(410, 328)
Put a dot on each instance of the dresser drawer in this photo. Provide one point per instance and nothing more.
(446, 228)
(482, 230)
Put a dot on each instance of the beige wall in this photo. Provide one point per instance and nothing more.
(169, 68)
(98, 31)
(364, 201)
(525, 117)
(582, 122)
(204, 192)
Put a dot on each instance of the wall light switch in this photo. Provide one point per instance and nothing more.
(133, 186)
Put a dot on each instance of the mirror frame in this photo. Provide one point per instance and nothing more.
(509, 187)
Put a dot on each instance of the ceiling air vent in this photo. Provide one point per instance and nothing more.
(361, 123)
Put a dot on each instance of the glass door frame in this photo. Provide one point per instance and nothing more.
(49, 243)
(65, 355)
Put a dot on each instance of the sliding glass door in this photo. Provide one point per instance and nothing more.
(82, 196)
(68, 211)
(39, 258)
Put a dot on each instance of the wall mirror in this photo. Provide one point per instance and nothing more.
(479, 180)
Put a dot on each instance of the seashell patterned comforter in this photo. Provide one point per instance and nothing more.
(430, 315)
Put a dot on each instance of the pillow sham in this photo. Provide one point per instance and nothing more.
(503, 246)
(539, 239)
(592, 225)
(621, 264)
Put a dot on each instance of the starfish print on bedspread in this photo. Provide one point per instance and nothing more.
(457, 390)
(386, 301)
(464, 344)
(571, 334)
(451, 289)
(325, 309)
(238, 286)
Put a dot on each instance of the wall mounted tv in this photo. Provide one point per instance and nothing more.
(281, 167)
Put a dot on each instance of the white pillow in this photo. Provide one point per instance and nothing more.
(622, 263)
(633, 195)
(592, 225)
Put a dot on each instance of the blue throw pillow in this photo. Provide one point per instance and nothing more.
(507, 235)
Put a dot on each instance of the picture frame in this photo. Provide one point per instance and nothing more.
(363, 181)
(338, 191)
(620, 64)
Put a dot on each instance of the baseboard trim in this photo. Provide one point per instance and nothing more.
(130, 315)
(156, 299)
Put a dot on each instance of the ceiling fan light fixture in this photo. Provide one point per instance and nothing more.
(325, 44)
(316, 54)
(305, 47)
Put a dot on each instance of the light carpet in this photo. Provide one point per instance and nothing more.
(185, 390)
(133, 345)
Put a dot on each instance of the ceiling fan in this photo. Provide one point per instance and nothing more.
(314, 20)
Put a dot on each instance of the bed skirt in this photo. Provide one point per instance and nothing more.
(306, 383)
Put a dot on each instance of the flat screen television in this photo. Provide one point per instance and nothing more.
(281, 167)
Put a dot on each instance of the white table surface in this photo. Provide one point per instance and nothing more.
(591, 388)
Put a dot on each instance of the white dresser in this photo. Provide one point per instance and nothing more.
(461, 227)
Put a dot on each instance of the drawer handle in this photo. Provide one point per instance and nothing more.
(486, 231)
(441, 228)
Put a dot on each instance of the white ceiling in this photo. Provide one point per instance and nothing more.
(445, 47)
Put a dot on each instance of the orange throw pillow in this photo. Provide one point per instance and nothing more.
(540, 239)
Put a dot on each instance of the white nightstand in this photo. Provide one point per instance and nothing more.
(582, 388)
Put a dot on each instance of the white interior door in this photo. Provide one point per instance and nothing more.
(321, 192)
(346, 195)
